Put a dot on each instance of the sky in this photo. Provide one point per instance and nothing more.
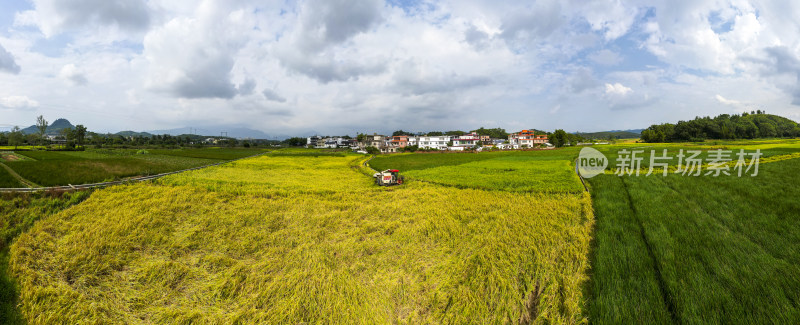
(348, 66)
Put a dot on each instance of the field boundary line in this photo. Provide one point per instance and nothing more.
(366, 164)
(662, 285)
(19, 178)
(124, 181)
(581, 177)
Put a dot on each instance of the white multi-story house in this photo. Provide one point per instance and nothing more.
(314, 141)
(330, 142)
(438, 142)
(468, 140)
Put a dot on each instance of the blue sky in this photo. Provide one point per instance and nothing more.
(347, 66)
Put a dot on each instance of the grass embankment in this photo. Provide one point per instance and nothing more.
(7, 180)
(698, 249)
(53, 168)
(18, 212)
(306, 239)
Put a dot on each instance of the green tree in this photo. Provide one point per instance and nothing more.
(411, 148)
(400, 132)
(67, 133)
(559, 138)
(15, 137)
(455, 133)
(41, 125)
(295, 142)
(496, 133)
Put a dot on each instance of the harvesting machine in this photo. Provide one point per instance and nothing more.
(388, 177)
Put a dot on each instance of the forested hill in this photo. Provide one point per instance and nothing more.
(605, 135)
(52, 129)
(745, 126)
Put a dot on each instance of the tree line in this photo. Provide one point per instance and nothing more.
(757, 124)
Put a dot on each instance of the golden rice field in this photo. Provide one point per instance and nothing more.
(303, 239)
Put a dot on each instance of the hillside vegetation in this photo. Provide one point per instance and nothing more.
(745, 126)
(606, 135)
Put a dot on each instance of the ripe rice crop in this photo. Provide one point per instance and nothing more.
(306, 240)
(18, 212)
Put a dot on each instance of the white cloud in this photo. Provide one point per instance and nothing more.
(247, 87)
(22, 102)
(358, 65)
(613, 18)
(57, 16)
(273, 96)
(192, 57)
(726, 101)
(322, 26)
(7, 63)
(74, 75)
(617, 89)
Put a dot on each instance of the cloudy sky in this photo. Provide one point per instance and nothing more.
(341, 66)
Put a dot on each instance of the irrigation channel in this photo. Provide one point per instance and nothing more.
(71, 187)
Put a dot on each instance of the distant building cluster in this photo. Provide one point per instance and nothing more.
(469, 141)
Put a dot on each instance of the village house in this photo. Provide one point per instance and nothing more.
(465, 141)
(438, 142)
(312, 141)
(527, 139)
(395, 144)
(398, 141)
(329, 142)
(374, 140)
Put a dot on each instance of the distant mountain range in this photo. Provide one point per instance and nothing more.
(209, 131)
(230, 131)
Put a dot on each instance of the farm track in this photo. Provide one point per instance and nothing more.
(35, 188)
(666, 297)
(21, 179)
(583, 181)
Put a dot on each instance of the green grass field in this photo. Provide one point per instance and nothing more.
(53, 168)
(208, 153)
(697, 249)
(6, 180)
